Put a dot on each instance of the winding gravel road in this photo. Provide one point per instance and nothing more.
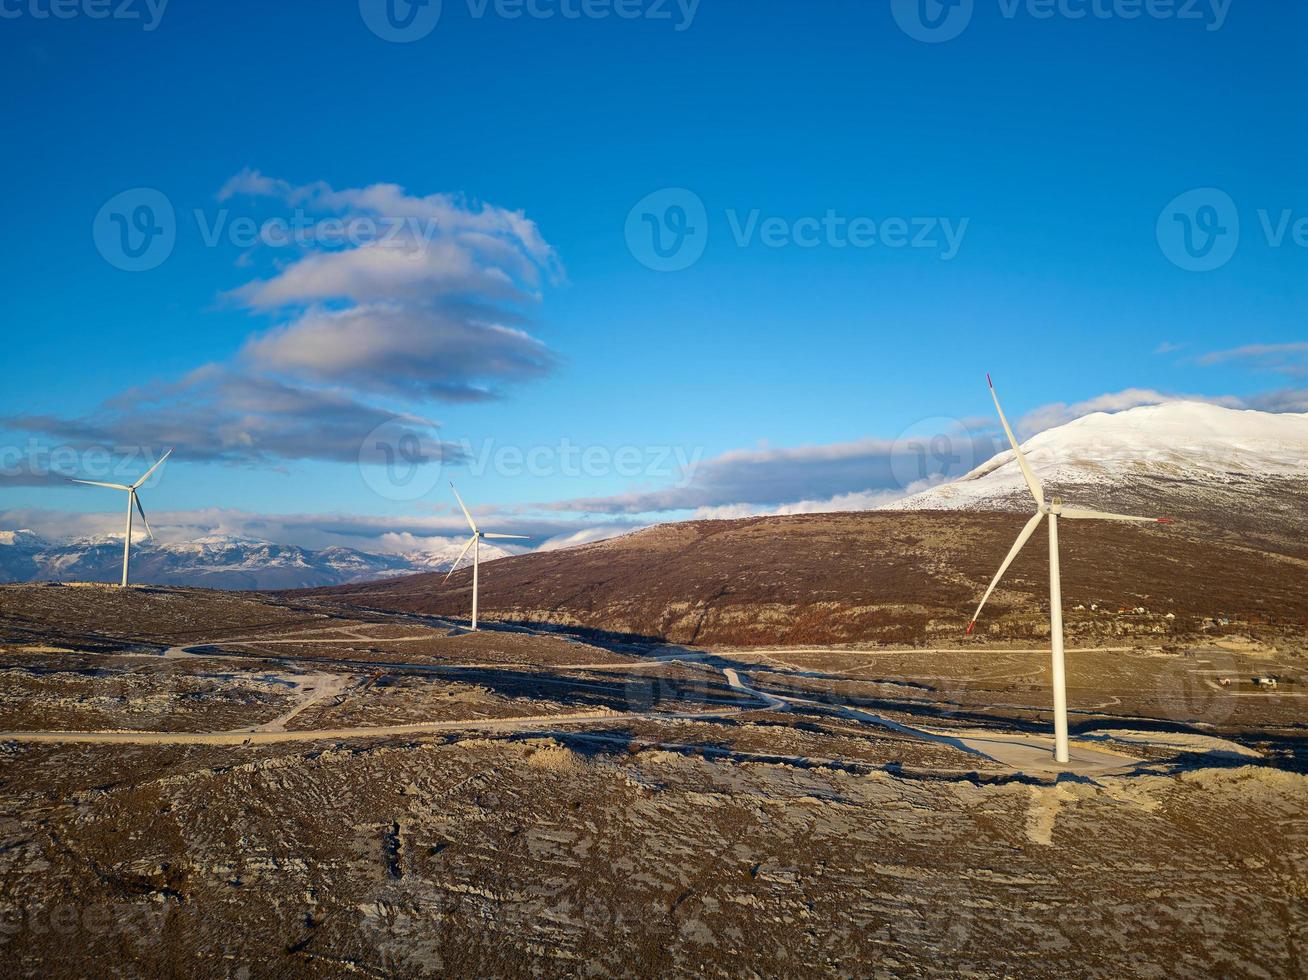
(1022, 752)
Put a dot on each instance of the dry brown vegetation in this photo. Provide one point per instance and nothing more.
(876, 578)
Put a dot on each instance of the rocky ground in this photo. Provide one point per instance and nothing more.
(393, 797)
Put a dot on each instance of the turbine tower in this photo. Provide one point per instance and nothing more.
(132, 501)
(1053, 509)
(475, 544)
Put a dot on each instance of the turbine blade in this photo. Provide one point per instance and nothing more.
(459, 559)
(1033, 484)
(1077, 514)
(471, 523)
(1022, 539)
(141, 511)
(158, 463)
(97, 483)
(490, 534)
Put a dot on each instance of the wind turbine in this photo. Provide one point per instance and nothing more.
(1053, 509)
(475, 544)
(132, 501)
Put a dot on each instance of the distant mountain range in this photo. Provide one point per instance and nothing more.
(217, 561)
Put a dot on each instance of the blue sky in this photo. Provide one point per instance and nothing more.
(1037, 161)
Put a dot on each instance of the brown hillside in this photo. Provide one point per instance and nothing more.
(874, 577)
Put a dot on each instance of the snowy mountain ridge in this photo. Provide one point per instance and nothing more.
(1203, 449)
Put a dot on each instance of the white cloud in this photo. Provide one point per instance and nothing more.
(396, 349)
(415, 272)
(428, 304)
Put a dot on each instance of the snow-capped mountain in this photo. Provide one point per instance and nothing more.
(1241, 470)
(18, 551)
(218, 561)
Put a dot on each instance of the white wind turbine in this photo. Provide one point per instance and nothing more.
(1053, 509)
(132, 501)
(475, 544)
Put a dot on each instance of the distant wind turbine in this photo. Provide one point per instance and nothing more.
(1053, 509)
(475, 544)
(132, 501)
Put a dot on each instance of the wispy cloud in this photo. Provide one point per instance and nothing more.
(1281, 400)
(216, 415)
(427, 306)
(1291, 358)
(862, 500)
(751, 481)
(453, 216)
